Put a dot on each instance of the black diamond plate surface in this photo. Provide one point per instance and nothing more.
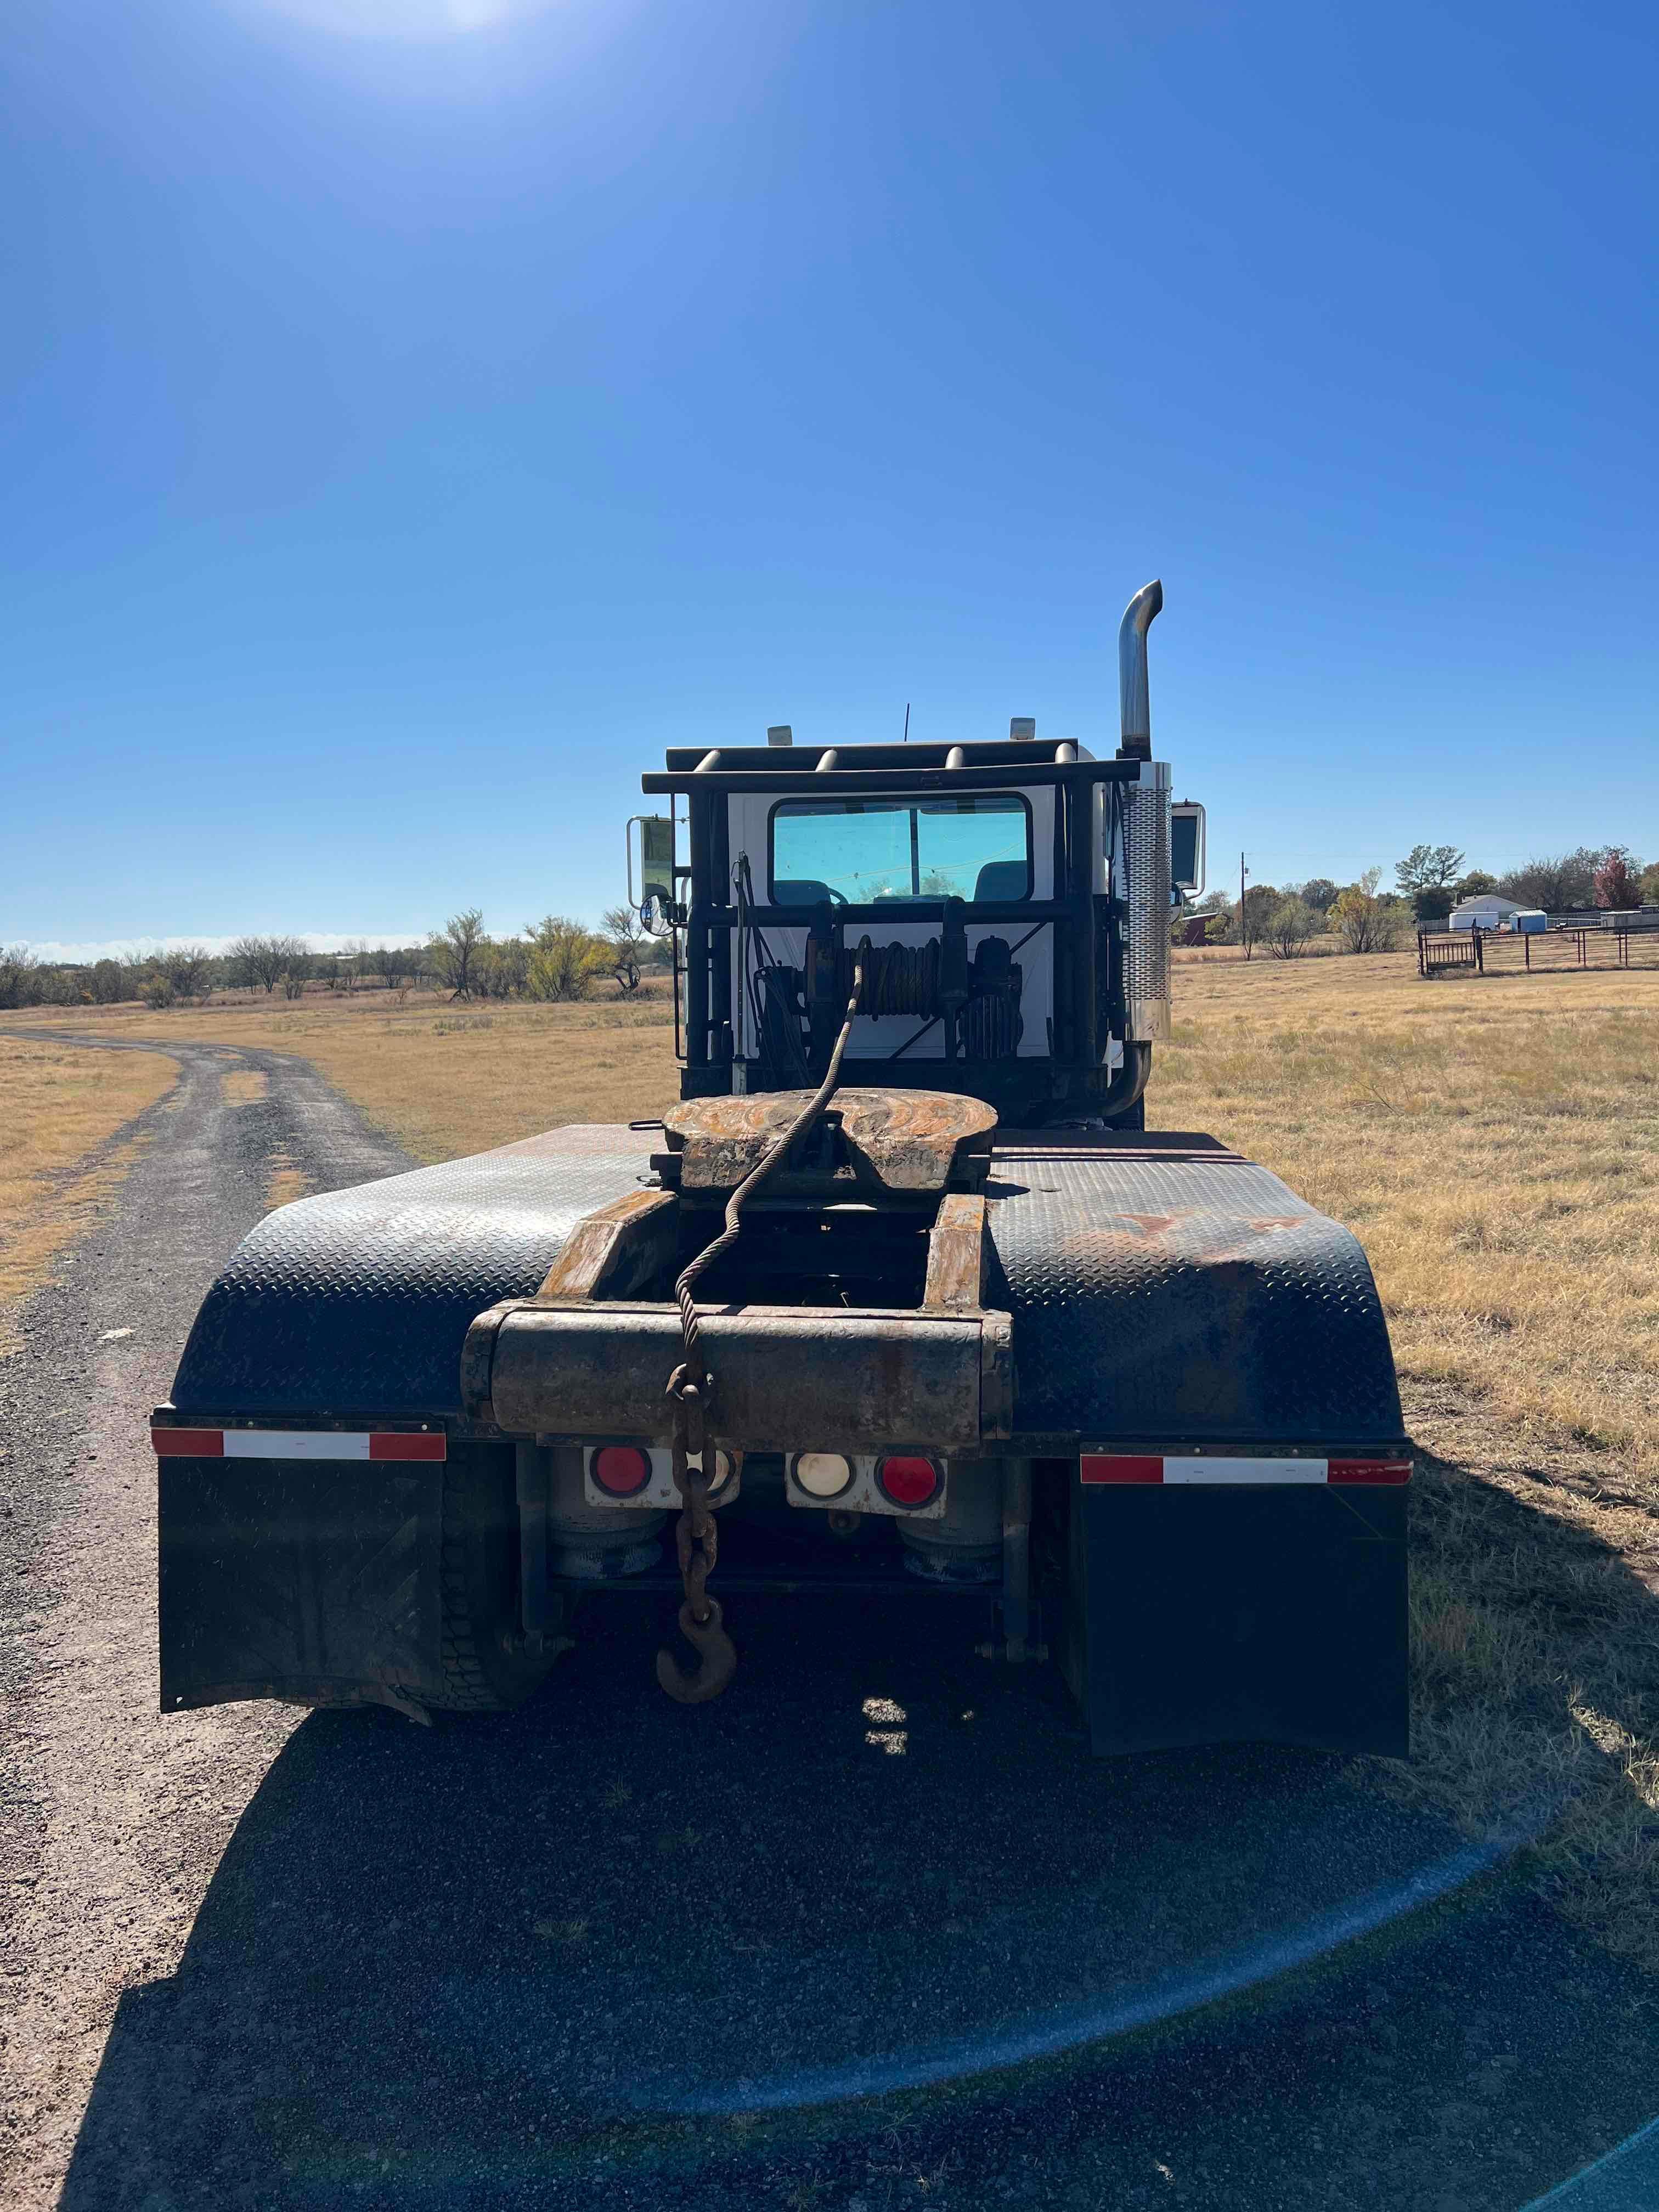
(359, 1301)
(1184, 1300)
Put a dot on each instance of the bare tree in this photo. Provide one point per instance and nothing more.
(628, 944)
(262, 962)
(1557, 884)
(188, 970)
(454, 952)
(297, 966)
(391, 962)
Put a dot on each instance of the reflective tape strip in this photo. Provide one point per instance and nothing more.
(1211, 1471)
(299, 1444)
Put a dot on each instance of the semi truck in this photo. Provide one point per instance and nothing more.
(903, 1301)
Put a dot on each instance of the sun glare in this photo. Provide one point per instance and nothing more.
(407, 19)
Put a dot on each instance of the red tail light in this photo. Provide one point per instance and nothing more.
(908, 1481)
(622, 1470)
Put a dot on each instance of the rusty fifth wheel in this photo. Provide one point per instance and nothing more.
(901, 1301)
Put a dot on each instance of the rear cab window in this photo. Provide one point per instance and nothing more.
(892, 852)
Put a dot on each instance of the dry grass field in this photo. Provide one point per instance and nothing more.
(1495, 1143)
(58, 1108)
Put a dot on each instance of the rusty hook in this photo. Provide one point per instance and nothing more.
(713, 1646)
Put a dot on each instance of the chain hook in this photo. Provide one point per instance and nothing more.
(713, 1647)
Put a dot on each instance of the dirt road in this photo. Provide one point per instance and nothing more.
(871, 1932)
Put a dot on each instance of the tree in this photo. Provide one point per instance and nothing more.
(1431, 903)
(1427, 868)
(1365, 921)
(1650, 885)
(296, 967)
(18, 967)
(110, 982)
(1476, 884)
(503, 967)
(1617, 881)
(628, 944)
(454, 952)
(261, 963)
(1290, 926)
(393, 963)
(1260, 900)
(565, 956)
(1557, 884)
(188, 970)
(1320, 893)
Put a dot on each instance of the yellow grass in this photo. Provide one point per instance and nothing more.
(57, 1107)
(1495, 1143)
(447, 1079)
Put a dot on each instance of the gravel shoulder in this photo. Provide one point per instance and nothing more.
(257, 1957)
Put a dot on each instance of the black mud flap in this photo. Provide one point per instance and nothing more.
(1239, 1615)
(318, 1581)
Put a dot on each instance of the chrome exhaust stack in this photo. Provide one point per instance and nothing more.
(1135, 709)
(1143, 884)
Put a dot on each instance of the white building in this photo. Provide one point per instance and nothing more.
(1489, 911)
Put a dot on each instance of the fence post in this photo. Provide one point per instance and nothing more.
(1480, 950)
(1422, 964)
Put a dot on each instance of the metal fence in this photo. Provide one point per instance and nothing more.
(1440, 955)
(1491, 951)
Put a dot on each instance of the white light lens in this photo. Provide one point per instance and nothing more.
(822, 1474)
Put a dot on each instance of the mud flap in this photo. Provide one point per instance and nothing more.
(1238, 1615)
(316, 1581)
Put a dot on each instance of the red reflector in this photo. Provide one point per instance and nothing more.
(393, 1443)
(1369, 1470)
(1120, 1467)
(908, 1481)
(188, 1443)
(622, 1469)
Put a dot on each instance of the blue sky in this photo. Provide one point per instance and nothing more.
(417, 413)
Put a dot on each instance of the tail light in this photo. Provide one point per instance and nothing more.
(622, 1470)
(822, 1474)
(909, 1480)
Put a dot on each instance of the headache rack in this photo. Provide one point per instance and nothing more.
(1102, 923)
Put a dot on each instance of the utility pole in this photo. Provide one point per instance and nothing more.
(1243, 927)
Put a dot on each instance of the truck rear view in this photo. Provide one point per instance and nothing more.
(902, 1299)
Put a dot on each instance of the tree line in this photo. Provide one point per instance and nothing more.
(1286, 919)
(555, 958)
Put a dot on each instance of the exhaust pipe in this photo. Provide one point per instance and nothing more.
(1134, 710)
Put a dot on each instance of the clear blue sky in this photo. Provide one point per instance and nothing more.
(419, 412)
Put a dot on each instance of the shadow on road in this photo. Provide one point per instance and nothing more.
(483, 1964)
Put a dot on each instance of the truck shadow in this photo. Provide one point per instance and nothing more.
(484, 1961)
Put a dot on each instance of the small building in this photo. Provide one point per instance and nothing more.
(1489, 911)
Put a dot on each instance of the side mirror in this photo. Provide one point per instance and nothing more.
(656, 918)
(1187, 848)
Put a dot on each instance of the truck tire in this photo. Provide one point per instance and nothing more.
(487, 1668)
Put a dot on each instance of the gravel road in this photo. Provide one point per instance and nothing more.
(780, 1951)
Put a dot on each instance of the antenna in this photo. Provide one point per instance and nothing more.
(907, 722)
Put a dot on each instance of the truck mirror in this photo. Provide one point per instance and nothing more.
(1187, 847)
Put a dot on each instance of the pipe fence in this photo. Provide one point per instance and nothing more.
(1537, 952)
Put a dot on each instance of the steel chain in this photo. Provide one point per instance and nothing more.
(696, 1542)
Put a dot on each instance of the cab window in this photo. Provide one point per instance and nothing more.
(886, 851)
